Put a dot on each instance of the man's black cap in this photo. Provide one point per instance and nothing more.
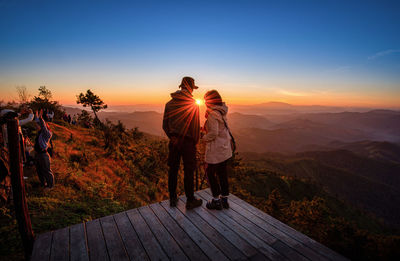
(188, 82)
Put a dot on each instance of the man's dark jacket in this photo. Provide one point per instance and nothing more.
(181, 116)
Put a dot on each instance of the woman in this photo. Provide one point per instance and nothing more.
(218, 149)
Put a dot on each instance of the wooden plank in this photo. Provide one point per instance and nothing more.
(197, 236)
(150, 243)
(213, 235)
(184, 240)
(78, 246)
(115, 247)
(165, 239)
(245, 234)
(60, 245)
(246, 248)
(294, 244)
(96, 244)
(131, 241)
(262, 234)
(42, 247)
(291, 232)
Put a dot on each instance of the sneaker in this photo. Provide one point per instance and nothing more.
(173, 202)
(214, 204)
(224, 201)
(194, 203)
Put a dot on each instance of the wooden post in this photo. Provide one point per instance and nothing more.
(18, 187)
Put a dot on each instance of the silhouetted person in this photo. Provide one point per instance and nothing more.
(44, 116)
(50, 115)
(218, 149)
(42, 158)
(65, 117)
(74, 120)
(181, 123)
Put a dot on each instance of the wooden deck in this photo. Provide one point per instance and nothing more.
(158, 232)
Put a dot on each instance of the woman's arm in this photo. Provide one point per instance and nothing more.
(212, 124)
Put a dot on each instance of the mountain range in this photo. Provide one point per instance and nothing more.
(284, 133)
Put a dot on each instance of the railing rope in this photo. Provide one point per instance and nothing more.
(18, 187)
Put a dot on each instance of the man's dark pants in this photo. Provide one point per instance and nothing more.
(184, 148)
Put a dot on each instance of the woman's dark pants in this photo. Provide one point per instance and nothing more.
(218, 178)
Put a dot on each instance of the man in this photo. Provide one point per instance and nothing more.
(42, 157)
(8, 113)
(181, 123)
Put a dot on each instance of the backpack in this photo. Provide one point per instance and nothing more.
(233, 142)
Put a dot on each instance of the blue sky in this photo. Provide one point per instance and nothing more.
(320, 52)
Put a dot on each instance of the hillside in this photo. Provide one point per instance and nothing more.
(301, 132)
(366, 183)
(147, 121)
(293, 137)
(91, 182)
(386, 151)
(241, 121)
(100, 172)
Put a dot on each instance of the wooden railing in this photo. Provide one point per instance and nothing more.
(18, 187)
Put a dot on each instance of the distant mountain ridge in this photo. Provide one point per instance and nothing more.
(372, 184)
(285, 108)
(379, 150)
(286, 133)
(297, 132)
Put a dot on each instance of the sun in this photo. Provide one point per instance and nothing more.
(198, 102)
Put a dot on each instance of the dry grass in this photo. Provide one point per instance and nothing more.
(90, 183)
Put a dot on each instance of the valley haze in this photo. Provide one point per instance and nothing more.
(276, 126)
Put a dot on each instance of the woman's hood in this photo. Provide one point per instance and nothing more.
(222, 109)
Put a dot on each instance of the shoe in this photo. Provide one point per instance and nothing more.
(224, 201)
(173, 202)
(214, 204)
(194, 203)
(47, 187)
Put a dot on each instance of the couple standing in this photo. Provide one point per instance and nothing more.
(181, 123)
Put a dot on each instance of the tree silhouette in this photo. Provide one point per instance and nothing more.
(44, 101)
(45, 93)
(91, 100)
(23, 94)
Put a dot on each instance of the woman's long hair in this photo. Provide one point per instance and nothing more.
(212, 98)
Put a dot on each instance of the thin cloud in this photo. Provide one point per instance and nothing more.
(291, 93)
(383, 53)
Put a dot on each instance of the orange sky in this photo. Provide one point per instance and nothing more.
(158, 96)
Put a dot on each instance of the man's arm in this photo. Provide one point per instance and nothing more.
(165, 122)
(196, 124)
(28, 119)
(43, 126)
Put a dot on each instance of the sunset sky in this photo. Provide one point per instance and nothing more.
(300, 52)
